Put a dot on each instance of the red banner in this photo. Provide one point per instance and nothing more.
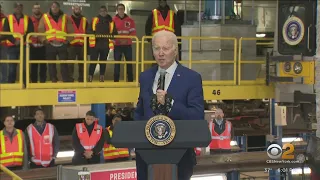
(118, 174)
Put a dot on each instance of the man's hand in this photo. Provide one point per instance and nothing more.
(17, 42)
(88, 154)
(123, 41)
(161, 94)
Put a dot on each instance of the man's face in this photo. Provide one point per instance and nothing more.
(164, 51)
(39, 116)
(162, 3)
(115, 121)
(103, 12)
(36, 10)
(89, 120)
(219, 114)
(77, 10)
(9, 122)
(55, 8)
(18, 9)
(120, 10)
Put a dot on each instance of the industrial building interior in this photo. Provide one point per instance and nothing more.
(249, 69)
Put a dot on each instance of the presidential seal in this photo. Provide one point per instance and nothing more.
(293, 31)
(160, 130)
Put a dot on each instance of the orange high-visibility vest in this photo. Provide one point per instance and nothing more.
(92, 40)
(55, 28)
(110, 152)
(16, 27)
(41, 148)
(159, 24)
(88, 142)
(220, 141)
(2, 43)
(11, 153)
(34, 40)
(79, 30)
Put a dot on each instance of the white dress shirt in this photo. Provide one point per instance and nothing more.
(170, 72)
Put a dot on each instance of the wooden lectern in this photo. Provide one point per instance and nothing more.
(162, 161)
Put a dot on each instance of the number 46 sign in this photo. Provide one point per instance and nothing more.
(216, 92)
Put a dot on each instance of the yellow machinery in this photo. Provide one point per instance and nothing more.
(290, 69)
(122, 92)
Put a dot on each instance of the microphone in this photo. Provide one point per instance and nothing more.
(162, 79)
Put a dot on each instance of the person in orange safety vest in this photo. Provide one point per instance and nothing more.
(221, 133)
(80, 25)
(87, 141)
(56, 22)
(3, 54)
(37, 49)
(110, 153)
(16, 23)
(13, 150)
(43, 142)
(103, 28)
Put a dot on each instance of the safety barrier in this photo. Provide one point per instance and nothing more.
(17, 61)
(9, 173)
(85, 62)
(241, 61)
(190, 62)
(237, 61)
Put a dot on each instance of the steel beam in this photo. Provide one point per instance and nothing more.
(36, 97)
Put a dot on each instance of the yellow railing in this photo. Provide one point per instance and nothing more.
(190, 61)
(241, 61)
(16, 61)
(237, 60)
(9, 173)
(85, 62)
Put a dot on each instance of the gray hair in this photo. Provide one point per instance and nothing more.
(168, 34)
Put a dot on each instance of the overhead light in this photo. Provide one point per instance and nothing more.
(64, 154)
(260, 35)
(297, 67)
(292, 139)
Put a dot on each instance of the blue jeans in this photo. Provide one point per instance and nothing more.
(14, 54)
(126, 50)
(3, 66)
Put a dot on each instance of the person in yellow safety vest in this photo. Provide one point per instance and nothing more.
(13, 149)
(110, 153)
(3, 54)
(221, 133)
(56, 22)
(22, 24)
(103, 28)
(163, 18)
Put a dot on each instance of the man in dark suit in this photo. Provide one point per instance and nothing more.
(182, 85)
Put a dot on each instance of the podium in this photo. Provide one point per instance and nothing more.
(162, 161)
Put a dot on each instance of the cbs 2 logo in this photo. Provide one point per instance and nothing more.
(275, 151)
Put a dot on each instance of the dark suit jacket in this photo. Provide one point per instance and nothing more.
(186, 90)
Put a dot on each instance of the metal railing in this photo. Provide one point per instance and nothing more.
(237, 61)
(241, 61)
(9, 173)
(16, 61)
(85, 62)
(190, 62)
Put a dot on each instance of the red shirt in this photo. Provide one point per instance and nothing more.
(125, 26)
